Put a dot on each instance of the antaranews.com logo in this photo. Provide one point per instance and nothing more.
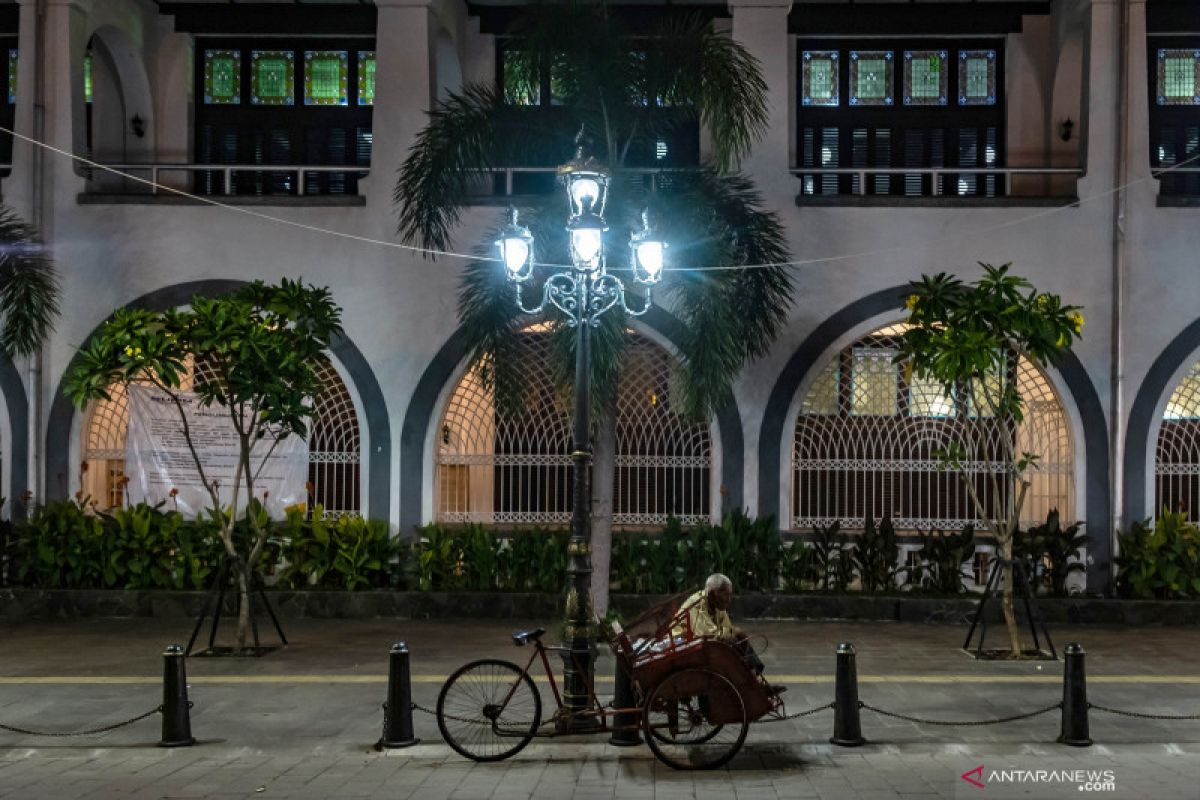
(1085, 780)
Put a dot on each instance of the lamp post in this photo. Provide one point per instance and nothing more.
(583, 293)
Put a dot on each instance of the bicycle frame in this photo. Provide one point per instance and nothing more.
(594, 710)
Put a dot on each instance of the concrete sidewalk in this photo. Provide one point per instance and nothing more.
(301, 722)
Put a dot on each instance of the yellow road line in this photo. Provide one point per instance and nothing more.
(1052, 677)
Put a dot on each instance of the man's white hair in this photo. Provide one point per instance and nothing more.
(717, 581)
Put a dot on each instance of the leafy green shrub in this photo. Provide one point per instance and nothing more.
(876, 556)
(346, 553)
(798, 567)
(1051, 548)
(61, 545)
(942, 558)
(833, 558)
(1160, 561)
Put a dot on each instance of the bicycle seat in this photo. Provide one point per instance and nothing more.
(522, 638)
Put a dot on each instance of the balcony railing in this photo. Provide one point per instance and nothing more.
(228, 179)
(510, 181)
(936, 184)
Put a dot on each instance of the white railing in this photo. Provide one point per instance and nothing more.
(654, 173)
(936, 174)
(228, 171)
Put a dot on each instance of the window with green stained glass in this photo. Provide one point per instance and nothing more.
(820, 76)
(871, 77)
(977, 77)
(326, 77)
(12, 76)
(272, 127)
(939, 107)
(925, 79)
(366, 77)
(1174, 113)
(87, 77)
(222, 77)
(1178, 77)
(272, 77)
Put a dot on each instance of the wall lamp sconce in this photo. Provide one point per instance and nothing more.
(1065, 129)
(138, 125)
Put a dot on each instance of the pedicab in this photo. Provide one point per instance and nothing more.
(694, 697)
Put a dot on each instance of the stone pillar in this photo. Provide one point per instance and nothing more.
(761, 26)
(50, 107)
(404, 86)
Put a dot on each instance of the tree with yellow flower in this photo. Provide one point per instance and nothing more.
(959, 336)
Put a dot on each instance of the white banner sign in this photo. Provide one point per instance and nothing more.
(157, 457)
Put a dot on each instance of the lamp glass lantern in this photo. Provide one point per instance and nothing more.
(648, 252)
(516, 248)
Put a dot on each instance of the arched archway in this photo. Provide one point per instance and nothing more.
(418, 439)
(499, 467)
(120, 123)
(1078, 388)
(373, 407)
(334, 446)
(867, 434)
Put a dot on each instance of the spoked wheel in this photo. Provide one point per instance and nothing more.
(695, 719)
(488, 710)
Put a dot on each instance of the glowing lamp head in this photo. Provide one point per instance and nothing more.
(649, 253)
(516, 248)
(585, 192)
(587, 240)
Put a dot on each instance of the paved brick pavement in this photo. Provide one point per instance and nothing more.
(301, 722)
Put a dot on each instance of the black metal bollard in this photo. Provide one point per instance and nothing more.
(397, 712)
(847, 729)
(1075, 704)
(625, 725)
(176, 709)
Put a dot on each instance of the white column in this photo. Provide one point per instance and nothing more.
(761, 26)
(404, 85)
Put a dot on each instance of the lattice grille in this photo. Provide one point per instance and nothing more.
(1177, 452)
(866, 439)
(498, 468)
(334, 443)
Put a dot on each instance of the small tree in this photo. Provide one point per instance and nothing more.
(260, 346)
(960, 336)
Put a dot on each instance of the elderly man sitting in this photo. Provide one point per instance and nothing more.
(707, 613)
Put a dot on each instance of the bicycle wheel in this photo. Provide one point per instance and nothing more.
(488, 710)
(695, 719)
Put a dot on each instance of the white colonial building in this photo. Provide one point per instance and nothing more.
(285, 123)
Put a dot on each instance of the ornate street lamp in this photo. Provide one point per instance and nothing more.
(582, 293)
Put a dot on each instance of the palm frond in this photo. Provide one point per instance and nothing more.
(729, 316)
(29, 290)
(469, 132)
(715, 75)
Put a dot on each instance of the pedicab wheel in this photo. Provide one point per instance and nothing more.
(695, 719)
(488, 710)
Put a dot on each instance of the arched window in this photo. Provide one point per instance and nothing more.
(867, 434)
(334, 446)
(1177, 452)
(494, 467)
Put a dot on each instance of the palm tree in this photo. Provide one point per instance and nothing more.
(29, 291)
(632, 94)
